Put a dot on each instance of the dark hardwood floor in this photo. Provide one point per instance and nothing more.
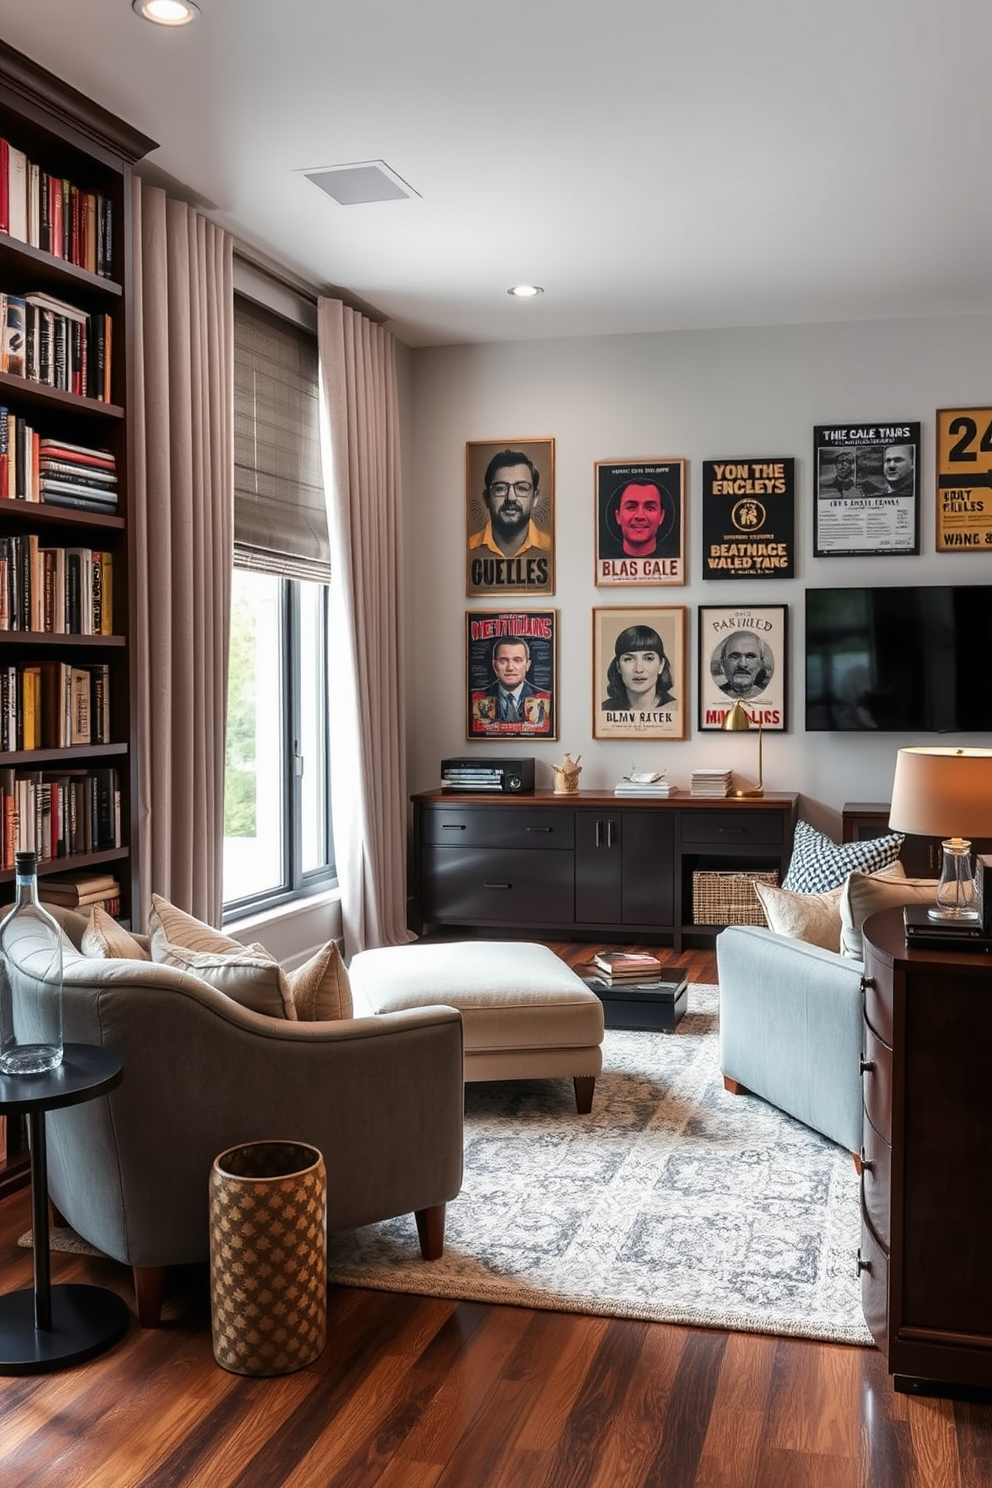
(421, 1393)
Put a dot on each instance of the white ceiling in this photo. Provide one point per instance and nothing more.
(652, 164)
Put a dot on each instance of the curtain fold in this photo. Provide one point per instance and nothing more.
(360, 450)
(182, 514)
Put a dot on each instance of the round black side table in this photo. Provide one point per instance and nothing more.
(52, 1327)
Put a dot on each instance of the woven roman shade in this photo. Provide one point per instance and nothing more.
(280, 522)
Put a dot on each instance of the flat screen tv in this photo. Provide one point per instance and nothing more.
(900, 660)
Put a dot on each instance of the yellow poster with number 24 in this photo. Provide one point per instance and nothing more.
(964, 479)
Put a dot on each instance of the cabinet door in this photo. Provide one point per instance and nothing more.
(598, 868)
(648, 853)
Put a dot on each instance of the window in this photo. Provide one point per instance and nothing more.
(278, 840)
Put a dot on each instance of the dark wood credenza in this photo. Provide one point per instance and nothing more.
(590, 865)
(926, 1194)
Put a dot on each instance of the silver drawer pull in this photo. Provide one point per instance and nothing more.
(452, 826)
(540, 829)
(497, 886)
(867, 1066)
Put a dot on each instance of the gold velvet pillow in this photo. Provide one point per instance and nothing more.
(320, 988)
(104, 939)
(814, 918)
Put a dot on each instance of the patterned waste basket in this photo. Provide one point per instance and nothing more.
(268, 1257)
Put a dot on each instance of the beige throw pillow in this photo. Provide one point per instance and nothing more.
(246, 974)
(811, 917)
(321, 989)
(104, 939)
(866, 894)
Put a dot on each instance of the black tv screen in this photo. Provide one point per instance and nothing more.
(902, 660)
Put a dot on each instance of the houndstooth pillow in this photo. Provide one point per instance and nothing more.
(818, 864)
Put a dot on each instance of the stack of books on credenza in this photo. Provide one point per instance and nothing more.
(710, 784)
(80, 891)
(637, 993)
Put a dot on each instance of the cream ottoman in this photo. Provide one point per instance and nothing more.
(525, 1015)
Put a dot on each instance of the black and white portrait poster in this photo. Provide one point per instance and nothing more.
(866, 489)
(511, 674)
(749, 519)
(742, 656)
(639, 681)
(510, 514)
(640, 522)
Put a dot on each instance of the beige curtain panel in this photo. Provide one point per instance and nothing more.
(183, 531)
(361, 462)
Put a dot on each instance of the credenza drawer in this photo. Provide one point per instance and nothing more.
(731, 828)
(515, 826)
(479, 886)
(876, 1083)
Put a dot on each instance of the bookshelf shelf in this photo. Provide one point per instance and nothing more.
(74, 153)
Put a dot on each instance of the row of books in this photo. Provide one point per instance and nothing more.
(59, 813)
(51, 213)
(52, 705)
(52, 470)
(56, 591)
(51, 342)
(711, 784)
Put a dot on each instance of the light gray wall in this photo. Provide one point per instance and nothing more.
(700, 395)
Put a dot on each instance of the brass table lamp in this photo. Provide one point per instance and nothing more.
(736, 720)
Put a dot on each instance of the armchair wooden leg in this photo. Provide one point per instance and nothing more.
(149, 1288)
(585, 1086)
(734, 1086)
(55, 1218)
(430, 1229)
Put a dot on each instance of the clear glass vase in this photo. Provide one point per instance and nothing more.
(30, 979)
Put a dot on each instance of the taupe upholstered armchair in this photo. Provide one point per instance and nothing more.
(381, 1097)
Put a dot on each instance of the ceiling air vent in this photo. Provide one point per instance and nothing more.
(365, 181)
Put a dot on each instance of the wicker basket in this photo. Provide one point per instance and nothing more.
(728, 898)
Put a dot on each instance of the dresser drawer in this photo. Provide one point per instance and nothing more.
(494, 886)
(873, 1262)
(511, 826)
(876, 1183)
(878, 1002)
(876, 1083)
(732, 828)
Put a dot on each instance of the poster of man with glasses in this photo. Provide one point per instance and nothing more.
(510, 505)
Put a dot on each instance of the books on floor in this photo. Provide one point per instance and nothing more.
(626, 966)
(711, 783)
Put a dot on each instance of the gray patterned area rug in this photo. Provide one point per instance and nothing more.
(674, 1201)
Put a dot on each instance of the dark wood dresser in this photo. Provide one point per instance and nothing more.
(926, 1187)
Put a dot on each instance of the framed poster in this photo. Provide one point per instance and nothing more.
(749, 519)
(743, 655)
(639, 678)
(964, 479)
(512, 674)
(867, 497)
(510, 513)
(640, 522)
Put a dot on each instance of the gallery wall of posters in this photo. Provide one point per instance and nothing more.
(964, 479)
(511, 674)
(639, 677)
(749, 519)
(640, 522)
(510, 517)
(867, 493)
(742, 655)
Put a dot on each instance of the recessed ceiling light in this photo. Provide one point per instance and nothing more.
(525, 291)
(166, 12)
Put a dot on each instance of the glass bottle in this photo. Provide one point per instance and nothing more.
(30, 979)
